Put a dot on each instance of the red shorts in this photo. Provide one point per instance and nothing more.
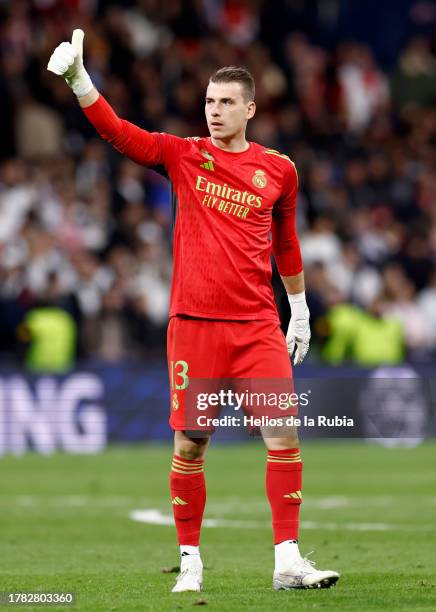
(206, 351)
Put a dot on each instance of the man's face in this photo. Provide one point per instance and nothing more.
(227, 110)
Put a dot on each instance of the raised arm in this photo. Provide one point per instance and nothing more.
(145, 148)
(89, 98)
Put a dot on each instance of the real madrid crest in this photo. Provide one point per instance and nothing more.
(259, 179)
(175, 402)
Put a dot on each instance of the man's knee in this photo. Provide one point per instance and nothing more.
(189, 448)
(280, 438)
(285, 443)
(282, 443)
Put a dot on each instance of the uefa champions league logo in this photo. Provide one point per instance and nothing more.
(394, 407)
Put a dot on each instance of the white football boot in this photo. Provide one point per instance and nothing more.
(190, 577)
(302, 574)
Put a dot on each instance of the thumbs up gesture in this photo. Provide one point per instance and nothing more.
(67, 61)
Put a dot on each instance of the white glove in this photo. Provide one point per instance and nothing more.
(67, 61)
(299, 329)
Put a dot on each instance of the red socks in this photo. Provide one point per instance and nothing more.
(188, 496)
(283, 487)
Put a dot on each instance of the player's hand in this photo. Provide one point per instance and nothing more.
(67, 61)
(298, 336)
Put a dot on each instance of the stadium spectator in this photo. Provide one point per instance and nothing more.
(365, 338)
(414, 80)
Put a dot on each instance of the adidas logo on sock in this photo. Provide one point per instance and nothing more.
(178, 501)
(293, 495)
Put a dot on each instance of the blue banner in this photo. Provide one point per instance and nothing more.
(85, 410)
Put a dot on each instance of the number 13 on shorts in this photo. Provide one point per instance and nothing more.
(179, 378)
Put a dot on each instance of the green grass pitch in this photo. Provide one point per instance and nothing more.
(368, 512)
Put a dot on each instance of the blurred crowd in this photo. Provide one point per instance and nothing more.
(85, 235)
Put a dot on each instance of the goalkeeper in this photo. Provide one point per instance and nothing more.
(235, 204)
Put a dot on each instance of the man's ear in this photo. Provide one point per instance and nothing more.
(251, 109)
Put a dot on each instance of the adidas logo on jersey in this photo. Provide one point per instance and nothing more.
(208, 165)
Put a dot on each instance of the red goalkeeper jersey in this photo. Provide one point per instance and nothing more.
(232, 211)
